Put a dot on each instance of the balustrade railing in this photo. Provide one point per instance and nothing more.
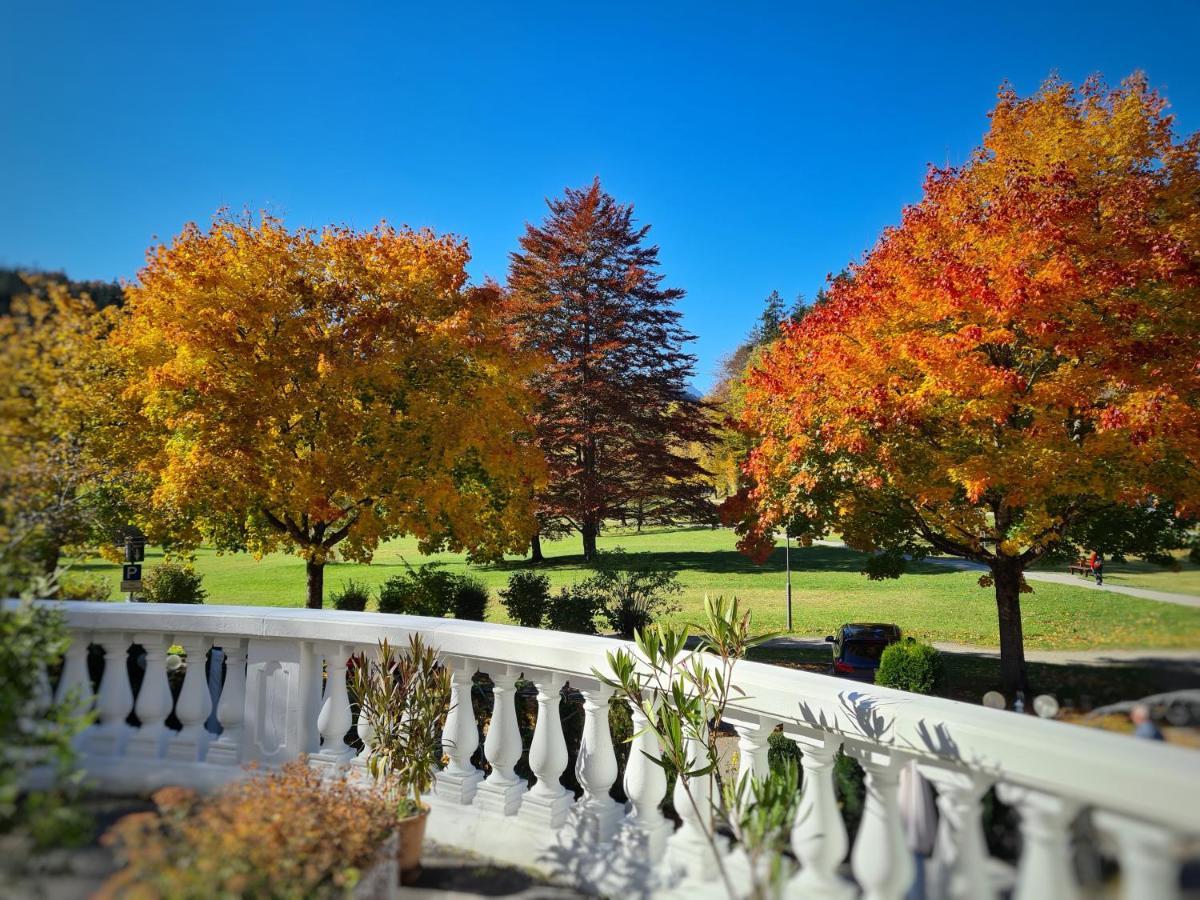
(284, 693)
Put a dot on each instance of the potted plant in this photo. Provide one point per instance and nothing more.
(404, 698)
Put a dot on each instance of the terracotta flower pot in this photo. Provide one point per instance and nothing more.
(412, 836)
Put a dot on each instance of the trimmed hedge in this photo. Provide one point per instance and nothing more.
(170, 582)
(910, 665)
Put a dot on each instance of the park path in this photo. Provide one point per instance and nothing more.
(966, 565)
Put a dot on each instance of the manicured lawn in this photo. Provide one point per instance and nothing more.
(1136, 573)
(827, 589)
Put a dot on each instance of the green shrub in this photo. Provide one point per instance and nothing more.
(574, 609)
(84, 587)
(353, 596)
(170, 582)
(910, 666)
(634, 593)
(471, 599)
(424, 591)
(526, 598)
(781, 749)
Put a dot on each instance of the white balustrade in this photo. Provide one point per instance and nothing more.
(596, 815)
(459, 780)
(114, 700)
(958, 870)
(231, 708)
(194, 703)
(153, 700)
(818, 838)
(276, 703)
(547, 802)
(1046, 868)
(335, 718)
(882, 863)
(502, 790)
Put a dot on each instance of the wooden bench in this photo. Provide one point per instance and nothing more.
(1080, 568)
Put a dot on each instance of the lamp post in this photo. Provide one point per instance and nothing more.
(787, 562)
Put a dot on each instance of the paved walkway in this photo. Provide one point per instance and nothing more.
(967, 565)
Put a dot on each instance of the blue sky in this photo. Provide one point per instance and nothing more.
(767, 144)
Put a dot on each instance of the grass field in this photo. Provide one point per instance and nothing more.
(827, 589)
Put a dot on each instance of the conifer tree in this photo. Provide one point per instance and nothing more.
(614, 416)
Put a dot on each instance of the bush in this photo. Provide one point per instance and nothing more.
(170, 582)
(218, 847)
(471, 599)
(424, 591)
(352, 597)
(574, 609)
(910, 666)
(780, 750)
(95, 587)
(633, 593)
(526, 598)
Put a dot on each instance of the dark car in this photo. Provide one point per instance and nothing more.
(858, 646)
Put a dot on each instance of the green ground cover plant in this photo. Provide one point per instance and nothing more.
(934, 602)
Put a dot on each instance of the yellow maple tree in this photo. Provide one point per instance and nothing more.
(320, 392)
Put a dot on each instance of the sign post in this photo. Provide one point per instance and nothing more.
(131, 572)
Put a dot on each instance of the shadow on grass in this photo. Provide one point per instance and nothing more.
(817, 558)
(968, 676)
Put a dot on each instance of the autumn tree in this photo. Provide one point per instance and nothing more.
(320, 392)
(1014, 369)
(614, 413)
(58, 414)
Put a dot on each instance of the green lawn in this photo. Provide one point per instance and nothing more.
(827, 589)
(1136, 573)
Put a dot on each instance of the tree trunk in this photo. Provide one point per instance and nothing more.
(588, 531)
(535, 548)
(1007, 575)
(316, 584)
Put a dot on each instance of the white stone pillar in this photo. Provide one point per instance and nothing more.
(335, 719)
(114, 699)
(231, 708)
(753, 732)
(818, 837)
(958, 868)
(596, 815)
(459, 780)
(643, 834)
(547, 802)
(75, 682)
(312, 682)
(689, 851)
(881, 860)
(194, 703)
(1148, 856)
(153, 700)
(502, 790)
(1045, 868)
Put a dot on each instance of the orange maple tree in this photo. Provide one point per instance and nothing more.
(320, 392)
(1013, 368)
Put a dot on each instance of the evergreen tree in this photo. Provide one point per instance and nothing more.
(614, 415)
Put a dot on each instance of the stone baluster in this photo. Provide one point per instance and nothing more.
(547, 802)
(363, 727)
(114, 699)
(882, 863)
(459, 780)
(1045, 868)
(335, 718)
(753, 733)
(596, 815)
(502, 790)
(194, 703)
(958, 868)
(1148, 855)
(818, 837)
(75, 682)
(231, 708)
(153, 700)
(644, 832)
(689, 851)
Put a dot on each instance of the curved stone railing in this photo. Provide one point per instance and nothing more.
(275, 702)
